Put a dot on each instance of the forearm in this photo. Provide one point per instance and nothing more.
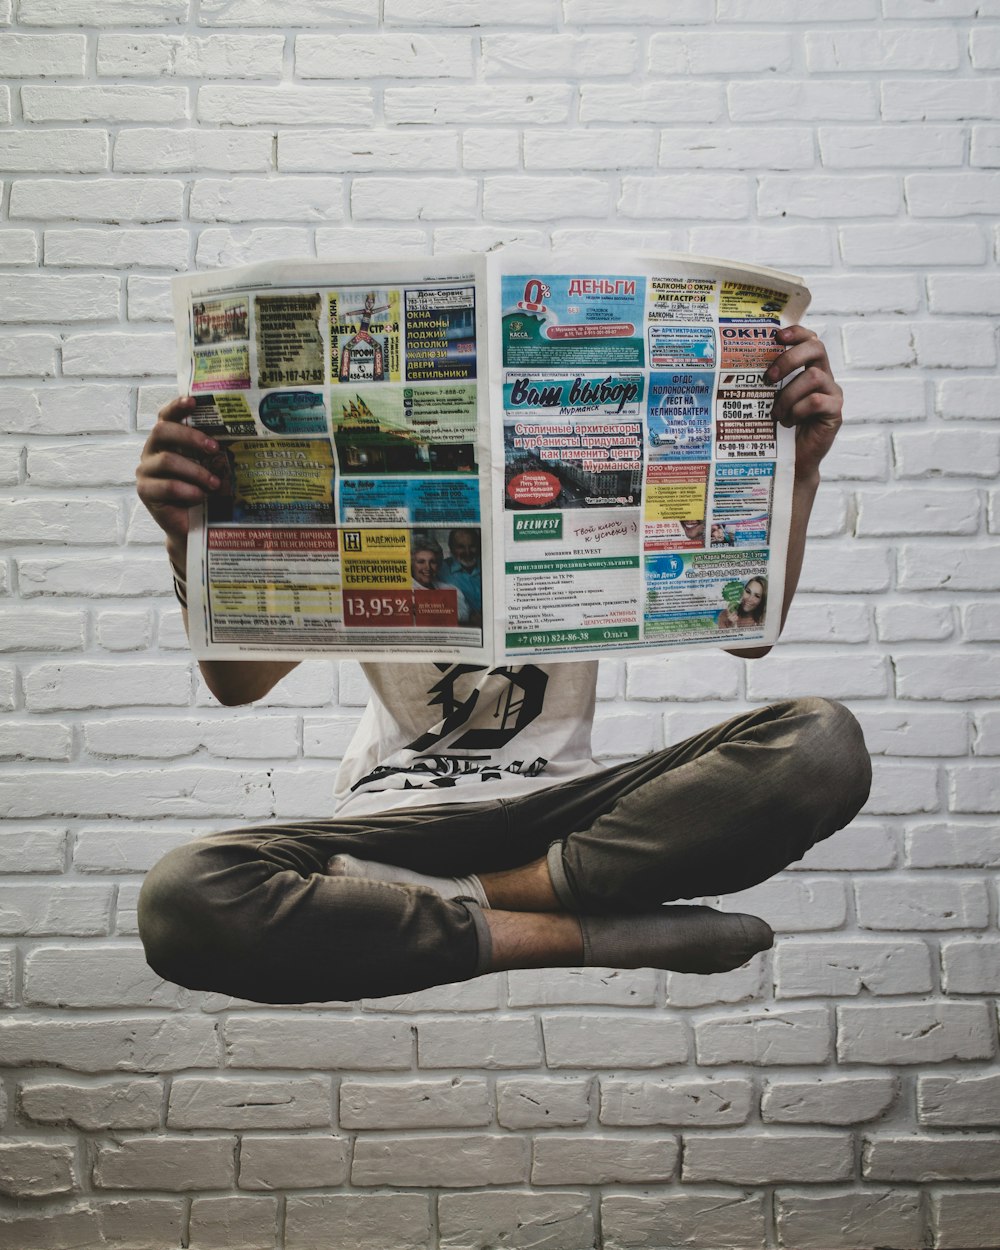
(231, 681)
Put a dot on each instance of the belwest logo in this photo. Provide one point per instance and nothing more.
(540, 525)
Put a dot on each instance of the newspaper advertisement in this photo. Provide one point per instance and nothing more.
(494, 459)
(347, 402)
(646, 490)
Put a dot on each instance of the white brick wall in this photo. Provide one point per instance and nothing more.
(780, 1105)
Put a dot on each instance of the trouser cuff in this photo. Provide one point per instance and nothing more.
(560, 882)
(484, 938)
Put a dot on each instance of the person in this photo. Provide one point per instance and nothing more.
(750, 610)
(473, 831)
(425, 565)
(462, 568)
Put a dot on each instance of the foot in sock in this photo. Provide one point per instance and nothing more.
(372, 870)
(681, 939)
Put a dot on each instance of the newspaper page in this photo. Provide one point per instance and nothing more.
(347, 401)
(643, 493)
(525, 456)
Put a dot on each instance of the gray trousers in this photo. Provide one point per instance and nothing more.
(251, 913)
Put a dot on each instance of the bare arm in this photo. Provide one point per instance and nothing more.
(812, 405)
(170, 481)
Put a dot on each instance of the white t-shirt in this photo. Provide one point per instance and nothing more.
(435, 733)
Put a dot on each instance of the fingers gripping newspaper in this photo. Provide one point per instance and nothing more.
(492, 458)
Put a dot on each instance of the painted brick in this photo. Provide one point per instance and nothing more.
(890, 147)
(859, 848)
(148, 1043)
(102, 199)
(50, 297)
(405, 199)
(593, 148)
(841, 968)
(692, 677)
(545, 56)
(402, 1220)
(183, 56)
(35, 849)
(173, 1164)
(388, 56)
(827, 1100)
(478, 1043)
(524, 1102)
(965, 1219)
(597, 1042)
(221, 246)
(55, 151)
(34, 1169)
(934, 511)
(969, 1158)
(539, 106)
(449, 1162)
(119, 355)
(680, 1103)
(96, 12)
(742, 985)
(25, 56)
(903, 622)
(104, 104)
(145, 150)
(559, 1160)
(712, 1217)
(819, 100)
(478, 1221)
(251, 199)
(843, 1221)
(652, 102)
(784, 148)
(251, 1223)
(47, 910)
(944, 100)
(930, 48)
(702, 195)
(924, 1033)
(961, 1101)
(246, 1103)
(542, 199)
(469, 13)
(800, 1036)
(302, 1161)
(970, 967)
(924, 903)
(547, 987)
(297, 12)
(28, 355)
(913, 732)
(937, 566)
(833, 196)
(457, 1103)
(759, 1159)
(108, 1104)
(284, 105)
(339, 151)
(257, 1041)
(953, 846)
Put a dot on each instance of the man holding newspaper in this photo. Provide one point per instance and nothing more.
(422, 876)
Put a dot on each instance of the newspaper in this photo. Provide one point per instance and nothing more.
(523, 455)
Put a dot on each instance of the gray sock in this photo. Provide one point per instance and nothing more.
(681, 939)
(372, 870)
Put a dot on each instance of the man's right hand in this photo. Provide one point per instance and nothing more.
(170, 479)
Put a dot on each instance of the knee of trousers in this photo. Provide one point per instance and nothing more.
(828, 761)
(177, 916)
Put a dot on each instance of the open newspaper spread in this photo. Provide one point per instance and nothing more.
(491, 458)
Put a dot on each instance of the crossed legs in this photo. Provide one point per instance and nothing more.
(255, 913)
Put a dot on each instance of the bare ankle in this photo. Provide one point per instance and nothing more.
(527, 888)
(534, 940)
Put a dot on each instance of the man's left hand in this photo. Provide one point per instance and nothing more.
(811, 403)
